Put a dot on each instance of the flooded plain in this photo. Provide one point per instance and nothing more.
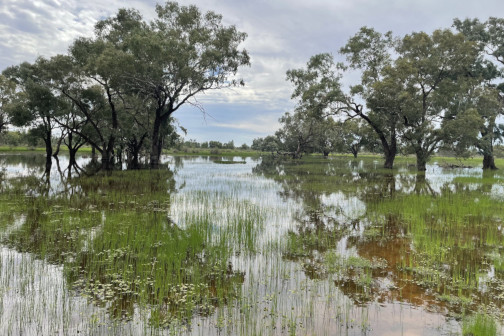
(206, 246)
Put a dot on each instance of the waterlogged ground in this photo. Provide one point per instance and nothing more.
(259, 247)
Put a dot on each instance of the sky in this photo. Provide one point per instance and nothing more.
(282, 35)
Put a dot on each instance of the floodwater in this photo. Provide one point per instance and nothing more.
(261, 247)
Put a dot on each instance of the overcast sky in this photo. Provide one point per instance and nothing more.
(282, 35)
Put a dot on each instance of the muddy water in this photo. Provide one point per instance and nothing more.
(318, 247)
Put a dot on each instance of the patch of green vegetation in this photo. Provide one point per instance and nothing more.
(229, 162)
(20, 149)
(337, 263)
(85, 149)
(481, 179)
(479, 325)
(120, 249)
(213, 152)
(451, 234)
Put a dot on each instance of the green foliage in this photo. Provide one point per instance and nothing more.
(118, 89)
(7, 89)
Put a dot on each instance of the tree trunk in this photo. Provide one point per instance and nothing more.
(73, 153)
(134, 163)
(107, 161)
(390, 152)
(355, 150)
(389, 159)
(421, 161)
(420, 182)
(155, 150)
(47, 173)
(489, 162)
(48, 146)
(297, 153)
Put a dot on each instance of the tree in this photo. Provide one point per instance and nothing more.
(35, 105)
(298, 133)
(317, 91)
(432, 70)
(7, 89)
(489, 37)
(178, 56)
(317, 87)
(351, 136)
(370, 52)
(86, 83)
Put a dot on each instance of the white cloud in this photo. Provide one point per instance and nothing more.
(262, 125)
(282, 34)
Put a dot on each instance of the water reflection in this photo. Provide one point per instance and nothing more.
(414, 238)
(318, 246)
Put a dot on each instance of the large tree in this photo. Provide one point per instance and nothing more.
(317, 92)
(34, 105)
(432, 70)
(179, 55)
(489, 36)
(373, 99)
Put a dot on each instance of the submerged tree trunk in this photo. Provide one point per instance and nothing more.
(73, 154)
(133, 150)
(421, 161)
(93, 153)
(389, 158)
(389, 150)
(49, 149)
(489, 162)
(389, 185)
(107, 159)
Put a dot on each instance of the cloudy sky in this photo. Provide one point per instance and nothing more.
(282, 35)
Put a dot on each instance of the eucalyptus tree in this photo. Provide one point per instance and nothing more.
(72, 125)
(298, 133)
(317, 91)
(92, 78)
(94, 104)
(7, 90)
(373, 99)
(180, 54)
(489, 36)
(328, 137)
(34, 105)
(351, 136)
(476, 126)
(431, 70)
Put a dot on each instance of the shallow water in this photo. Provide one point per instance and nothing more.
(317, 247)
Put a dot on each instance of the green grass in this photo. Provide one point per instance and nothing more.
(479, 325)
(21, 149)
(229, 162)
(214, 152)
(119, 248)
(84, 149)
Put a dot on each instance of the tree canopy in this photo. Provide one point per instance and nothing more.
(120, 87)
